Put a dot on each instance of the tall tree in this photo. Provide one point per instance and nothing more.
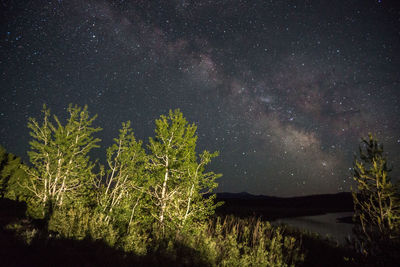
(178, 182)
(61, 170)
(121, 192)
(376, 201)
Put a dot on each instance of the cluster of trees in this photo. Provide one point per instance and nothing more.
(145, 200)
(163, 186)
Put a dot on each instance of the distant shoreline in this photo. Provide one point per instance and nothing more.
(272, 208)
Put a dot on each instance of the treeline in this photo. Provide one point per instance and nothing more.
(146, 200)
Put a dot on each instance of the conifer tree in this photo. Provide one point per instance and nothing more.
(61, 170)
(3, 163)
(12, 177)
(177, 177)
(376, 201)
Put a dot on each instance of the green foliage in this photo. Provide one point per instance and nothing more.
(241, 242)
(13, 178)
(376, 203)
(158, 203)
(177, 181)
(3, 163)
(79, 222)
(120, 197)
(24, 232)
(61, 170)
(254, 243)
(136, 240)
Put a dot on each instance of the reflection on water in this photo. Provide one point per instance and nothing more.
(323, 224)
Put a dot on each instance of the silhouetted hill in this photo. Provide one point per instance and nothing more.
(244, 204)
(241, 195)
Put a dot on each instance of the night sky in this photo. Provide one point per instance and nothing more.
(283, 89)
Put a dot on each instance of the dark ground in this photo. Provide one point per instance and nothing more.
(44, 251)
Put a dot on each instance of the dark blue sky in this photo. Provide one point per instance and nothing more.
(283, 89)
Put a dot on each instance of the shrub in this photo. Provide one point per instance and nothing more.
(244, 242)
(136, 240)
(79, 222)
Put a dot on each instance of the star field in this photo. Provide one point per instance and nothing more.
(283, 89)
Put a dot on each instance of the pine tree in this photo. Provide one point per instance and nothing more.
(3, 163)
(376, 201)
(12, 177)
(61, 171)
(177, 177)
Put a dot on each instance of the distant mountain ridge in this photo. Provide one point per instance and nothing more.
(244, 195)
(246, 204)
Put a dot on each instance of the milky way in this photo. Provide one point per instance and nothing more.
(283, 89)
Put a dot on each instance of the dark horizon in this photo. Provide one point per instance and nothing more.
(284, 197)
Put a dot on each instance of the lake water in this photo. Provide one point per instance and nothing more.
(322, 224)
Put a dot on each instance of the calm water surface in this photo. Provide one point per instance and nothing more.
(322, 224)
